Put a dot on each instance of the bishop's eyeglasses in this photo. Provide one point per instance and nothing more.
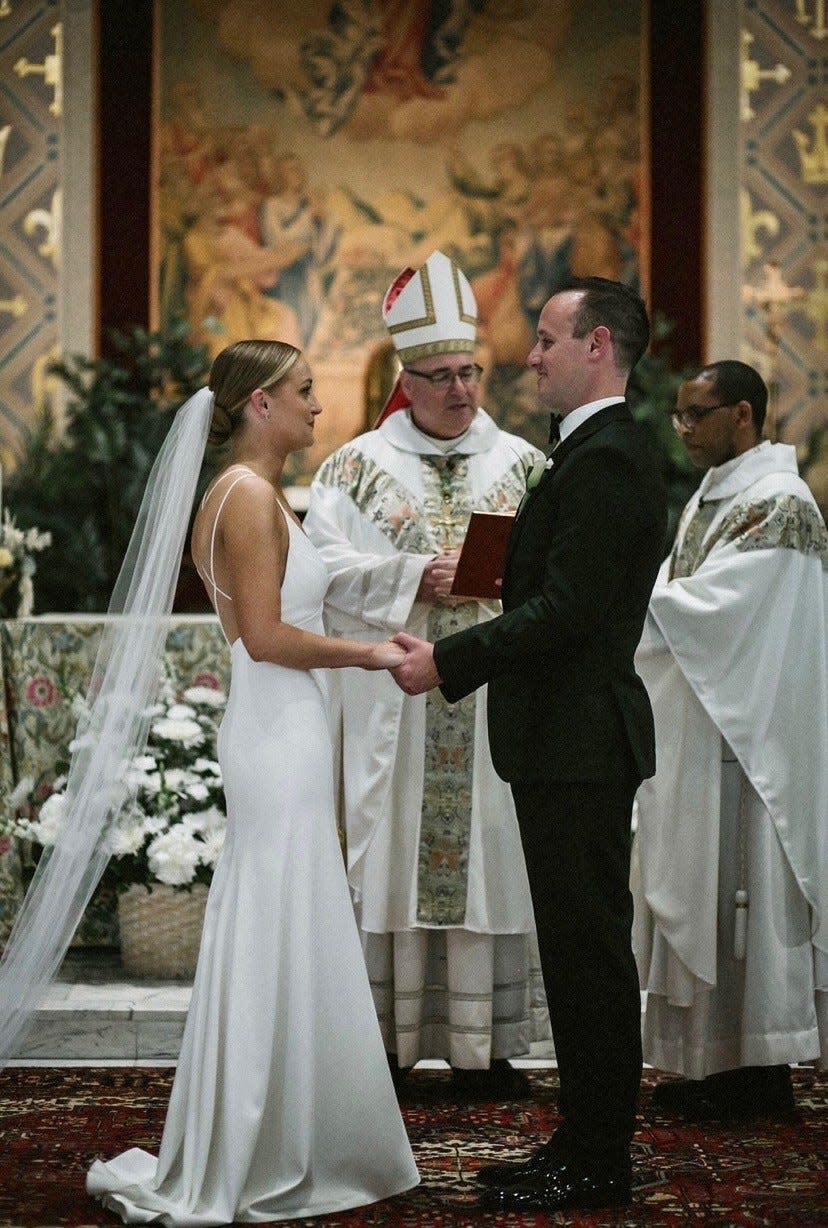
(443, 376)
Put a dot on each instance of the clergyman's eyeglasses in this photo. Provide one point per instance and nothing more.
(688, 418)
(443, 376)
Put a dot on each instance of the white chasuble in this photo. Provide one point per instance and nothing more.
(735, 659)
(432, 837)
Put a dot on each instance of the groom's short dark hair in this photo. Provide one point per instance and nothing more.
(619, 309)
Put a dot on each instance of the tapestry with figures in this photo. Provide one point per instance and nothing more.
(309, 152)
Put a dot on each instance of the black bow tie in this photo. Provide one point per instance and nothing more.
(554, 431)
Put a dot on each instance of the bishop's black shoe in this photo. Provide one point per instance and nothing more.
(499, 1081)
(731, 1096)
(567, 1182)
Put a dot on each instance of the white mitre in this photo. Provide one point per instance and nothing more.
(431, 310)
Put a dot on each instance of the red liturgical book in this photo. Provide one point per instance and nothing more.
(481, 559)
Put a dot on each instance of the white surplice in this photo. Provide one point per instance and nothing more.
(380, 508)
(735, 659)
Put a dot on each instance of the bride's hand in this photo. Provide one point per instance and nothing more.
(384, 655)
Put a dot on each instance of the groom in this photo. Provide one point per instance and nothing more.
(571, 729)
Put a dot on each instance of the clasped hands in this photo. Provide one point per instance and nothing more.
(416, 672)
(409, 661)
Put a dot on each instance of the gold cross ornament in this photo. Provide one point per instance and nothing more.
(50, 70)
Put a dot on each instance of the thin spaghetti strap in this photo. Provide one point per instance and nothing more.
(213, 487)
(246, 473)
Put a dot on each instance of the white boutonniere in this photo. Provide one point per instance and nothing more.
(534, 475)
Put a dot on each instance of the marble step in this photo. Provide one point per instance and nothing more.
(122, 1020)
(94, 1011)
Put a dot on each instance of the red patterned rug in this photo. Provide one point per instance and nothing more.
(54, 1122)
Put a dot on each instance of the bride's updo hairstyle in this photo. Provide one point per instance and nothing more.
(237, 372)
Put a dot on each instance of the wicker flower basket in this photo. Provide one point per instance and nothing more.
(161, 929)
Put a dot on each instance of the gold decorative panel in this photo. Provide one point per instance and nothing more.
(31, 103)
(784, 215)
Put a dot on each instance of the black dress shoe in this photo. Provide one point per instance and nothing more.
(747, 1094)
(500, 1081)
(568, 1183)
(528, 1170)
(678, 1094)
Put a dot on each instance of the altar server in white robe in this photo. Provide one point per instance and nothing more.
(731, 932)
(434, 854)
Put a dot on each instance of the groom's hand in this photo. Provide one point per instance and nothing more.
(417, 672)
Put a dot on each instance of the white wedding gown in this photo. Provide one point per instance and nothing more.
(282, 1104)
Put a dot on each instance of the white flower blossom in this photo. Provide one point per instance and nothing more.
(144, 763)
(136, 779)
(213, 844)
(198, 792)
(178, 779)
(59, 784)
(20, 792)
(127, 836)
(206, 766)
(206, 696)
(207, 820)
(188, 732)
(181, 712)
(154, 823)
(35, 540)
(154, 710)
(11, 535)
(81, 743)
(46, 828)
(173, 856)
(80, 707)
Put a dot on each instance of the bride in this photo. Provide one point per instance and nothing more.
(282, 1104)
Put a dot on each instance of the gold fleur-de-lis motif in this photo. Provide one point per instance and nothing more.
(50, 70)
(819, 28)
(752, 75)
(16, 306)
(5, 133)
(815, 303)
(49, 220)
(813, 156)
(752, 223)
(45, 385)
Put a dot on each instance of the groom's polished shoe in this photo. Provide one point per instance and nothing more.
(566, 1182)
(510, 1174)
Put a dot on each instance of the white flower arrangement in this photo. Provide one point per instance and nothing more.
(17, 566)
(171, 829)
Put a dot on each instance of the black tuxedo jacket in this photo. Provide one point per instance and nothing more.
(565, 702)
